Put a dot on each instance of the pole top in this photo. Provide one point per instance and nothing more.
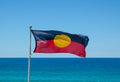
(30, 26)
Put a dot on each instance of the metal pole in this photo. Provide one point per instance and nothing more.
(29, 56)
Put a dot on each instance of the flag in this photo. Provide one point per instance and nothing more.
(52, 41)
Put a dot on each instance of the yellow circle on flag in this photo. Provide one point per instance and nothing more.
(62, 40)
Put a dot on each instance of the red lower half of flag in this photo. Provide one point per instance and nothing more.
(48, 46)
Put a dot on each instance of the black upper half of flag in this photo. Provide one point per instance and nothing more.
(50, 35)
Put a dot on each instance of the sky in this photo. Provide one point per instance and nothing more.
(98, 19)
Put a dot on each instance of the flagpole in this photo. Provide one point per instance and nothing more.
(29, 56)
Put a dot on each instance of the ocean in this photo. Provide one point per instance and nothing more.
(60, 69)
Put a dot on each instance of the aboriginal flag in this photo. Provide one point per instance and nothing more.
(52, 41)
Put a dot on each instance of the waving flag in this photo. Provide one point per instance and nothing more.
(52, 41)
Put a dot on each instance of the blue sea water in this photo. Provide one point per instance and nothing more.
(60, 69)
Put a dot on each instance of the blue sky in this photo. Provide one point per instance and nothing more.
(98, 19)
